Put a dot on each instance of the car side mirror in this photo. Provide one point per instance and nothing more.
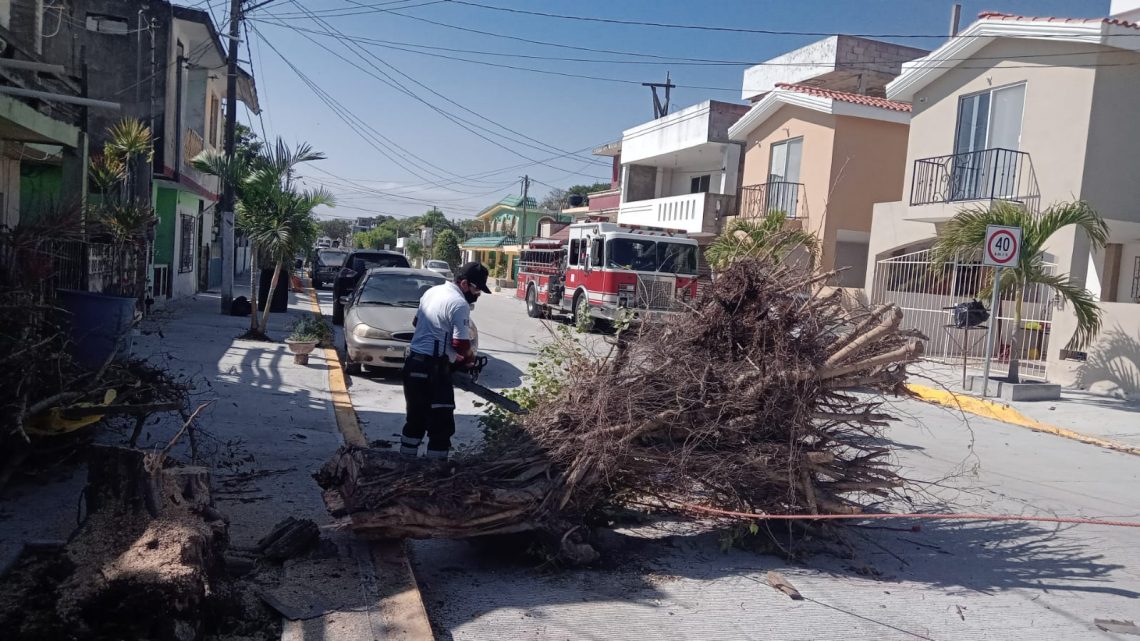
(345, 300)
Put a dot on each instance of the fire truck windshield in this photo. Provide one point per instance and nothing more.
(647, 255)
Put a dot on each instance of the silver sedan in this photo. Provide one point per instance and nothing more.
(379, 314)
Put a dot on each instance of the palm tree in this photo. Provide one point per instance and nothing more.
(769, 235)
(276, 218)
(965, 233)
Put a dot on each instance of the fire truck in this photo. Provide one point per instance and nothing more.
(604, 268)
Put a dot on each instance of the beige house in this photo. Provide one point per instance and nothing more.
(824, 158)
(1034, 110)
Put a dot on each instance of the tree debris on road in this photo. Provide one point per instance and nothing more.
(744, 404)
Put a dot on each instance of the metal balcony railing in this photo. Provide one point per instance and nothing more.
(757, 201)
(986, 174)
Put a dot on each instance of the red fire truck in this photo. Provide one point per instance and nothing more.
(603, 268)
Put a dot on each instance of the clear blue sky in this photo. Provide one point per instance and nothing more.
(561, 113)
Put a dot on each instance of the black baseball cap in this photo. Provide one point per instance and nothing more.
(474, 273)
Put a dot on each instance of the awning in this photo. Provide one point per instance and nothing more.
(487, 242)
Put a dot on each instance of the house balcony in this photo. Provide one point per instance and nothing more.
(695, 214)
(946, 183)
(757, 201)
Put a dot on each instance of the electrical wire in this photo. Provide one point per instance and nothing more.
(544, 147)
(721, 29)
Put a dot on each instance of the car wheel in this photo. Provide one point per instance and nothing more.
(582, 316)
(350, 368)
(532, 308)
(338, 313)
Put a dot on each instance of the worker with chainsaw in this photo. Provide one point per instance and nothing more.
(441, 343)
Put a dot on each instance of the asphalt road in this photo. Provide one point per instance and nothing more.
(897, 580)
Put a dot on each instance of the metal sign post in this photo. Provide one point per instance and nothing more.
(1002, 249)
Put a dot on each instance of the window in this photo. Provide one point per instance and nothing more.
(784, 176)
(989, 120)
(597, 253)
(574, 246)
(107, 24)
(396, 290)
(633, 253)
(699, 184)
(676, 258)
(215, 113)
(1136, 280)
(186, 250)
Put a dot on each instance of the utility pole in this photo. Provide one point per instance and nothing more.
(525, 194)
(659, 109)
(227, 204)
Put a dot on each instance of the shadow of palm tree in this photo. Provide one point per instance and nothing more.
(1115, 361)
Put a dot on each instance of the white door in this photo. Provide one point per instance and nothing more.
(988, 134)
(784, 177)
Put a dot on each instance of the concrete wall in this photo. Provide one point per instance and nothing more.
(1112, 365)
(853, 256)
(691, 127)
(185, 283)
(640, 183)
(867, 166)
(1109, 182)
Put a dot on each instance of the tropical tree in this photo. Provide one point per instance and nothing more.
(336, 228)
(276, 216)
(965, 234)
(414, 249)
(446, 248)
(766, 236)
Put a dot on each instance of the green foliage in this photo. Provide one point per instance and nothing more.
(413, 248)
(446, 248)
(544, 381)
(965, 234)
(435, 219)
(312, 327)
(335, 228)
(375, 238)
(770, 235)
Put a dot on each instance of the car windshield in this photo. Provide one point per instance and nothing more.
(632, 253)
(438, 264)
(676, 258)
(398, 290)
(362, 262)
(332, 258)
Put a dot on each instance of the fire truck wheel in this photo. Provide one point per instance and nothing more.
(582, 316)
(532, 308)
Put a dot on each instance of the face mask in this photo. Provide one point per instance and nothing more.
(471, 298)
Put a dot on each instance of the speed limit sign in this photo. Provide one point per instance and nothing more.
(1003, 246)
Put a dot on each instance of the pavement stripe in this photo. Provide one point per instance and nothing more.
(342, 403)
(1006, 414)
(400, 603)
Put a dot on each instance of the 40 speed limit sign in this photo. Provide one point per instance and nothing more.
(1002, 247)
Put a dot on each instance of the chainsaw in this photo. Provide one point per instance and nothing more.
(468, 379)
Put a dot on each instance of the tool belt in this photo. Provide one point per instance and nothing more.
(435, 372)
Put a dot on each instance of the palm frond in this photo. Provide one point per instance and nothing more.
(1085, 307)
(1040, 228)
(128, 139)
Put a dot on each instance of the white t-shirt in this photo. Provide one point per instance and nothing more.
(444, 314)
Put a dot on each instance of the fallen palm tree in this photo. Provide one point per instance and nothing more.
(748, 403)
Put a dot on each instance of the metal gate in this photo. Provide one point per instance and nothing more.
(925, 294)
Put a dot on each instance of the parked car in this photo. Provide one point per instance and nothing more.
(326, 265)
(440, 267)
(356, 264)
(378, 316)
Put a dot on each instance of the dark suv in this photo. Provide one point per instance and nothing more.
(326, 265)
(355, 265)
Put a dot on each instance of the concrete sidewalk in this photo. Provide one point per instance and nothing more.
(1093, 415)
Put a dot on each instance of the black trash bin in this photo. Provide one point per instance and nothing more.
(280, 295)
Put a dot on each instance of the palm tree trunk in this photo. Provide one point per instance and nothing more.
(1014, 364)
(269, 296)
(253, 274)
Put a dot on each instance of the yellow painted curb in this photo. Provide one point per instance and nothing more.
(342, 403)
(1006, 414)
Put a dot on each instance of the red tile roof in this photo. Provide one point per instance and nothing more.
(843, 96)
(997, 15)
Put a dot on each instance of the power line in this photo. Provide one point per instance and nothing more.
(471, 126)
(344, 12)
(673, 25)
(544, 147)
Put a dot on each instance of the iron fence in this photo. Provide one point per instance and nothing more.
(986, 174)
(926, 294)
(757, 201)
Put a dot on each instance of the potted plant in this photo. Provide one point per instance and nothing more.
(308, 332)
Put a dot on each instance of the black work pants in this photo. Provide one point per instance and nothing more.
(430, 402)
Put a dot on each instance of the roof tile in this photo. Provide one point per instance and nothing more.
(844, 96)
(998, 15)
